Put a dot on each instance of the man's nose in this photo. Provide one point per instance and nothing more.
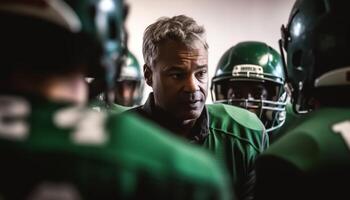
(191, 84)
(244, 95)
(127, 93)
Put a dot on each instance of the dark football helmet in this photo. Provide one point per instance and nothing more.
(316, 41)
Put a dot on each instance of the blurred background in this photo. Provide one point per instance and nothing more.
(227, 22)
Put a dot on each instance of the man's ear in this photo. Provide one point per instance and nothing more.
(147, 71)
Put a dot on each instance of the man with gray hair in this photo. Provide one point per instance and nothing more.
(176, 67)
(52, 146)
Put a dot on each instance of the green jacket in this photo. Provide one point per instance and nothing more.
(234, 135)
(59, 150)
(311, 161)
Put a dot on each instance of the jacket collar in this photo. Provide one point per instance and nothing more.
(199, 131)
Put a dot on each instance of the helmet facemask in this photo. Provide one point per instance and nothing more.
(127, 92)
(264, 98)
(250, 75)
(130, 84)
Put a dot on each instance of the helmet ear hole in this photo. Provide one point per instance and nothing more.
(296, 59)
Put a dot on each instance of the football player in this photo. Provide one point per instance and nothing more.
(250, 75)
(51, 145)
(312, 160)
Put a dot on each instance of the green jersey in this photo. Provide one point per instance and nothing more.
(311, 161)
(51, 151)
(236, 137)
(100, 105)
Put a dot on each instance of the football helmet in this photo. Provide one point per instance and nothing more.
(130, 83)
(316, 41)
(251, 75)
(90, 33)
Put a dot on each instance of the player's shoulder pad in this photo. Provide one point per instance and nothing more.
(154, 146)
(223, 114)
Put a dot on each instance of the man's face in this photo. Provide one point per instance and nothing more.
(248, 90)
(239, 91)
(179, 78)
(125, 92)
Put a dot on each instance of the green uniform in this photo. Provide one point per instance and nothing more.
(311, 161)
(235, 136)
(51, 151)
(100, 105)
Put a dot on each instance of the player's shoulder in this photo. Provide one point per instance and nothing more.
(138, 144)
(310, 140)
(231, 116)
(237, 124)
(156, 147)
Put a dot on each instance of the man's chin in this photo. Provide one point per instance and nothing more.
(190, 115)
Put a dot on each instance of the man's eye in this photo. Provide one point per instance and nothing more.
(176, 76)
(235, 94)
(201, 74)
(257, 96)
(260, 93)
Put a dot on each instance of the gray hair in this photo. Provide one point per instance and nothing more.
(179, 28)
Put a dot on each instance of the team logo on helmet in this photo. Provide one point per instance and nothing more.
(248, 70)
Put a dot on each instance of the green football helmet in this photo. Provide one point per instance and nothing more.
(251, 75)
(91, 33)
(104, 20)
(316, 40)
(130, 83)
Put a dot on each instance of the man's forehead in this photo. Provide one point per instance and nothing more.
(185, 59)
(178, 50)
(191, 54)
